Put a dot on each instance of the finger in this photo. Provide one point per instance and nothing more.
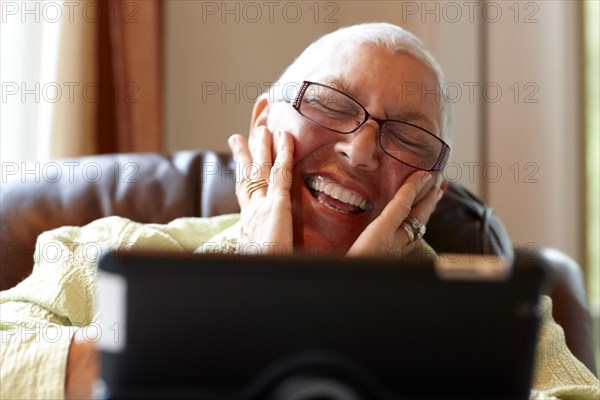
(242, 158)
(444, 185)
(262, 159)
(281, 179)
(256, 166)
(239, 148)
(401, 204)
(423, 209)
(260, 147)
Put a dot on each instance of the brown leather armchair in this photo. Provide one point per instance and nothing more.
(36, 197)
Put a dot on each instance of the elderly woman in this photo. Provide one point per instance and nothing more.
(340, 159)
(359, 147)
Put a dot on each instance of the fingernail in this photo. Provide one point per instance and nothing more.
(232, 141)
(426, 177)
(440, 193)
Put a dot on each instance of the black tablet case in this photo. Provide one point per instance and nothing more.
(233, 327)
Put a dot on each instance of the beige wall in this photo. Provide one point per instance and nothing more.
(214, 70)
(539, 134)
(236, 53)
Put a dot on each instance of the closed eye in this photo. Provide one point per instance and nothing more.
(332, 107)
(410, 138)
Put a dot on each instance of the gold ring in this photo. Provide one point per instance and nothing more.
(255, 184)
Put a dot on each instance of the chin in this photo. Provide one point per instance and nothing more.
(315, 244)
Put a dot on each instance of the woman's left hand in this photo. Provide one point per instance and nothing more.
(385, 235)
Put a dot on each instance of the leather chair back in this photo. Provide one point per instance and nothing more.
(37, 197)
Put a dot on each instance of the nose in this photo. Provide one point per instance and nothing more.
(360, 148)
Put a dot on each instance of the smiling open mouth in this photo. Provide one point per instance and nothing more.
(336, 197)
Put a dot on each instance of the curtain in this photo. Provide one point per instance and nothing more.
(80, 78)
(129, 54)
(66, 128)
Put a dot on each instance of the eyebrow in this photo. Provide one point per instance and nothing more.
(415, 116)
(341, 86)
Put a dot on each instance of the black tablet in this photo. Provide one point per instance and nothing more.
(235, 327)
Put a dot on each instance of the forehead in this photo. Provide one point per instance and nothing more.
(351, 65)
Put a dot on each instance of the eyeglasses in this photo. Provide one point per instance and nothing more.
(403, 141)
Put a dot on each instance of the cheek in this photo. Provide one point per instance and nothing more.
(307, 140)
(396, 178)
(307, 136)
(282, 117)
(285, 119)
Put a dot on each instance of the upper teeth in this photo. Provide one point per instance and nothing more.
(337, 192)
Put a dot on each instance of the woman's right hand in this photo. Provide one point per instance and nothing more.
(266, 213)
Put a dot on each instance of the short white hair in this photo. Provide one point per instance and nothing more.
(381, 34)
